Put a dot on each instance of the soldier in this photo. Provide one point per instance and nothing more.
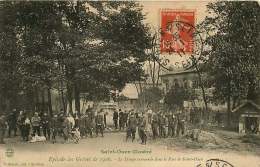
(20, 123)
(27, 128)
(55, 125)
(36, 121)
(67, 128)
(132, 124)
(82, 125)
(121, 119)
(60, 119)
(99, 124)
(115, 118)
(88, 125)
(76, 118)
(155, 125)
(159, 123)
(141, 129)
(3, 126)
(12, 121)
(180, 124)
(125, 118)
(162, 125)
(171, 125)
(46, 126)
(149, 114)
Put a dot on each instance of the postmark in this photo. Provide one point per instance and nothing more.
(180, 37)
(215, 163)
(174, 37)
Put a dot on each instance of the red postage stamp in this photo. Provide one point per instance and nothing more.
(177, 28)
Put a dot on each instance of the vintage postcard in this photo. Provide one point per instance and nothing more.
(129, 83)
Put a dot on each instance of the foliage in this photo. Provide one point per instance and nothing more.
(151, 95)
(233, 57)
(90, 47)
(177, 95)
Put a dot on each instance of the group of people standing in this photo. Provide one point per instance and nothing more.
(150, 124)
(147, 124)
(42, 124)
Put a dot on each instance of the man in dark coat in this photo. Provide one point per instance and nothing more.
(36, 122)
(132, 124)
(141, 129)
(20, 123)
(46, 125)
(155, 122)
(99, 124)
(121, 119)
(12, 121)
(89, 125)
(162, 125)
(3, 126)
(55, 127)
(171, 125)
(82, 125)
(181, 124)
(125, 118)
(115, 119)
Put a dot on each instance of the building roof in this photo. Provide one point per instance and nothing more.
(130, 91)
(178, 72)
(245, 103)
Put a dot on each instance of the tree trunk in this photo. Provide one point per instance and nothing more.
(43, 100)
(49, 101)
(37, 101)
(62, 97)
(69, 95)
(229, 106)
(77, 97)
(158, 75)
(202, 88)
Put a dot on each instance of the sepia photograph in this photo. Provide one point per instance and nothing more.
(129, 83)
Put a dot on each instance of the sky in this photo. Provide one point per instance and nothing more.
(152, 11)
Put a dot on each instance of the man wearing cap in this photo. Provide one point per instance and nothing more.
(99, 123)
(171, 125)
(141, 129)
(46, 125)
(155, 122)
(27, 127)
(12, 120)
(115, 118)
(3, 126)
(20, 123)
(36, 122)
(162, 125)
(82, 125)
(55, 125)
(132, 124)
(121, 119)
(125, 118)
(88, 125)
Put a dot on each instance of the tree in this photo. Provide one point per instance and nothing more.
(151, 96)
(233, 57)
(176, 96)
(9, 54)
(93, 47)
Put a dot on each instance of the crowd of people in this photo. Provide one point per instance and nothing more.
(150, 124)
(75, 126)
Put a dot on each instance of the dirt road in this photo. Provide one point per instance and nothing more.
(112, 150)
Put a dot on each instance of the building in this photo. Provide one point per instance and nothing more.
(189, 79)
(246, 118)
